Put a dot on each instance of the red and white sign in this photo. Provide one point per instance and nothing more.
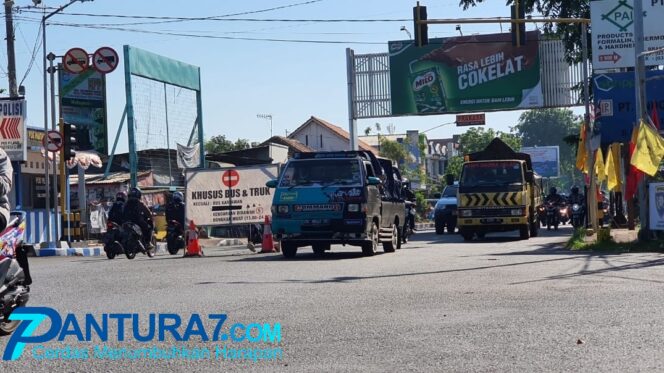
(229, 196)
(13, 136)
(75, 60)
(470, 120)
(105, 60)
(52, 141)
(230, 178)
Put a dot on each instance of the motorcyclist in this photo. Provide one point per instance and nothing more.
(115, 214)
(554, 196)
(575, 196)
(175, 209)
(409, 198)
(137, 212)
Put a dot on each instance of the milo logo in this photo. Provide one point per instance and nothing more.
(425, 80)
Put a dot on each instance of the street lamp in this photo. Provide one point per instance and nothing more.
(438, 126)
(46, 173)
(267, 116)
(404, 29)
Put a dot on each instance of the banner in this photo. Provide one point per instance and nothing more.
(83, 103)
(656, 206)
(613, 32)
(614, 95)
(465, 74)
(545, 159)
(189, 157)
(229, 195)
(13, 135)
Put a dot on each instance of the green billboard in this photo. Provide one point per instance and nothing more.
(465, 74)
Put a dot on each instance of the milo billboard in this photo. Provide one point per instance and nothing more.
(465, 74)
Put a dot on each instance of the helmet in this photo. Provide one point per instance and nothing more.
(135, 193)
(121, 196)
(575, 190)
(178, 197)
(553, 190)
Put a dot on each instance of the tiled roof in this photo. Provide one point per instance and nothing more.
(291, 143)
(338, 131)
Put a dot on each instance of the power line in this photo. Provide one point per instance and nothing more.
(33, 56)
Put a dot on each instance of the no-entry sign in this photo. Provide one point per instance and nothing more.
(230, 178)
(105, 60)
(75, 60)
(52, 141)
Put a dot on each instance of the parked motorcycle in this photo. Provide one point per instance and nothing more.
(410, 218)
(15, 277)
(552, 216)
(577, 215)
(563, 213)
(132, 243)
(113, 240)
(174, 237)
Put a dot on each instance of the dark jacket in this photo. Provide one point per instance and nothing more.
(6, 172)
(175, 211)
(136, 212)
(578, 198)
(116, 212)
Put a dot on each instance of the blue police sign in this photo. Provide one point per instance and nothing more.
(615, 99)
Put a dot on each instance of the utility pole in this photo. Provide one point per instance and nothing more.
(11, 57)
(640, 79)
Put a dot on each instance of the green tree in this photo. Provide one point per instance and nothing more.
(219, 144)
(550, 127)
(477, 138)
(570, 34)
(454, 166)
(393, 150)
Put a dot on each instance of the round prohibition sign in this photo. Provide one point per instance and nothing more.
(105, 60)
(52, 141)
(75, 60)
(230, 178)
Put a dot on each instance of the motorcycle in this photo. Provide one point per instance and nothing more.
(552, 218)
(174, 237)
(563, 214)
(410, 219)
(113, 240)
(15, 277)
(577, 215)
(541, 215)
(132, 243)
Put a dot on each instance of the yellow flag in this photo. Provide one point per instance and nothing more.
(599, 166)
(581, 154)
(649, 150)
(612, 168)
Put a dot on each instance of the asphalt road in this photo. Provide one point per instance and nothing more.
(439, 304)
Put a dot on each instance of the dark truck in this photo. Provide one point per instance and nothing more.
(498, 192)
(349, 197)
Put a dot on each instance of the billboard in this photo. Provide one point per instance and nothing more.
(465, 74)
(613, 32)
(229, 195)
(13, 133)
(545, 159)
(656, 209)
(615, 97)
(83, 103)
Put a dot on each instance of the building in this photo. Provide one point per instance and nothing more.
(320, 135)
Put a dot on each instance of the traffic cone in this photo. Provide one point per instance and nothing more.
(193, 246)
(268, 243)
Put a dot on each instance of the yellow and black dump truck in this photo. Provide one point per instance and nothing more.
(498, 192)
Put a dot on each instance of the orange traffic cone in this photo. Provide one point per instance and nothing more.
(268, 243)
(193, 246)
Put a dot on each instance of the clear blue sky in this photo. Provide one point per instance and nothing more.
(291, 81)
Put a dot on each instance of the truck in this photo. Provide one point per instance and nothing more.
(498, 192)
(345, 197)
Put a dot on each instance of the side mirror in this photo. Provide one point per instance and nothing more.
(372, 180)
(271, 183)
(529, 176)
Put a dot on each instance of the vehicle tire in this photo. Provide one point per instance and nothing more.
(399, 234)
(548, 227)
(391, 245)
(404, 233)
(534, 229)
(440, 227)
(466, 234)
(524, 232)
(150, 252)
(8, 327)
(130, 254)
(110, 254)
(555, 227)
(288, 250)
(173, 250)
(319, 249)
(481, 235)
(451, 227)
(369, 248)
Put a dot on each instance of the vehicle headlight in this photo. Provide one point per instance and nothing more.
(353, 207)
(576, 207)
(516, 212)
(283, 209)
(466, 213)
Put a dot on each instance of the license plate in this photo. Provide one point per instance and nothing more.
(491, 221)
